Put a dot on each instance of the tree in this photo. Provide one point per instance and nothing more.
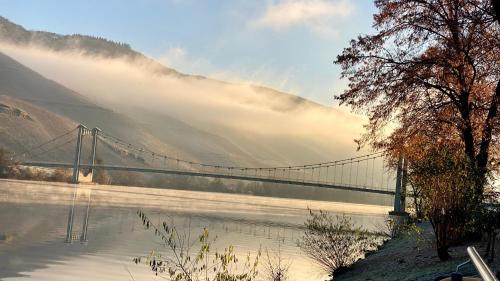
(446, 181)
(432, 64)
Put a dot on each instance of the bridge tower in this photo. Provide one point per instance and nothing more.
(95, 133)
(78, 153)
(400, 192)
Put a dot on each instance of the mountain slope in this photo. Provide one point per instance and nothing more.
(138, 99)
(95, 46)
(23, 125)
(23, 84)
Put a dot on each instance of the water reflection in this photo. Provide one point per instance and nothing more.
(40, 223)
(69, 231)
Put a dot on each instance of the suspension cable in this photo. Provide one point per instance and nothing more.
(28, 151)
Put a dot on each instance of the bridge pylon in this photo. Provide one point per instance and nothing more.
(78, 153)
(400, 192)
(95, 133)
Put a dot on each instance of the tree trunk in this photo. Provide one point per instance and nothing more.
(442, 252)
(493, 239)
(442, 243)
(488, 246)
(496, 7)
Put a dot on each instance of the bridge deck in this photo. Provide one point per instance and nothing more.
(213, 175)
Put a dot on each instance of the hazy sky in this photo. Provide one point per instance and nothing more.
(286, 44)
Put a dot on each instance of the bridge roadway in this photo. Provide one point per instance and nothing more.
(211, 175)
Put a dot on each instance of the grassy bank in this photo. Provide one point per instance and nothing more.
(412, 257)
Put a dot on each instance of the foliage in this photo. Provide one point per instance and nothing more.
(416, 202)
(448, 193)
(334, 243)
(60, 175)
(206, 264)
(415, 233)
(391, 228)
(430, 69)
(9, 169)
(101, 176)
(487, 221)
(276, 267)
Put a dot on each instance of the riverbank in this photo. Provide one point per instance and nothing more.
(411, 257)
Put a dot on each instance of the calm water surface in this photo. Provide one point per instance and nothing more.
(37, 220)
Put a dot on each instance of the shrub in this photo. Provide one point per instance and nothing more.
(206, 264)
(448, 188)
(58, 175)
(101, 176)
(276, 267)
(334, 243)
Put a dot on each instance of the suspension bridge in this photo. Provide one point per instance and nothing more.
(365, 173)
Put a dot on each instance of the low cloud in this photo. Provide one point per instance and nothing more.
(317, 15)
(252, 118)
(180, 59)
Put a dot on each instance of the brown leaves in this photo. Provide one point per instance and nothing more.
(430, 70)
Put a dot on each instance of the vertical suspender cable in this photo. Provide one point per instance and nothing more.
(342, 174)
(357, 170)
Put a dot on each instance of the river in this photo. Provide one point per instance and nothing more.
(106, 232)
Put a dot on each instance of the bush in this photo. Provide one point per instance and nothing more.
(101, 176)
(486, 222)
(334, 243)
(60, 175)
(448, 188)
(276, 267)
(207, 264)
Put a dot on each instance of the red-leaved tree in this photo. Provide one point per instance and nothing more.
(431, 64)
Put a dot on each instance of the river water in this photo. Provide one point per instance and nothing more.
(54, 231)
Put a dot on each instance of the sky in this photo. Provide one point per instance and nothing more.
(288, 45)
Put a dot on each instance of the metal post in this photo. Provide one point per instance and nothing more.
(76, 166)
(95, 133)
(397, 196)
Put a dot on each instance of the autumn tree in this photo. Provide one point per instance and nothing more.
(431, 64)
(446, 182)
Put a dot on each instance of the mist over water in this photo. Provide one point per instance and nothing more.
(106, 233)
(297, 132)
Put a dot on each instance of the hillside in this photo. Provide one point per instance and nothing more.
(24, 125)
(96, 46)
(101, 83)
(24, 85)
